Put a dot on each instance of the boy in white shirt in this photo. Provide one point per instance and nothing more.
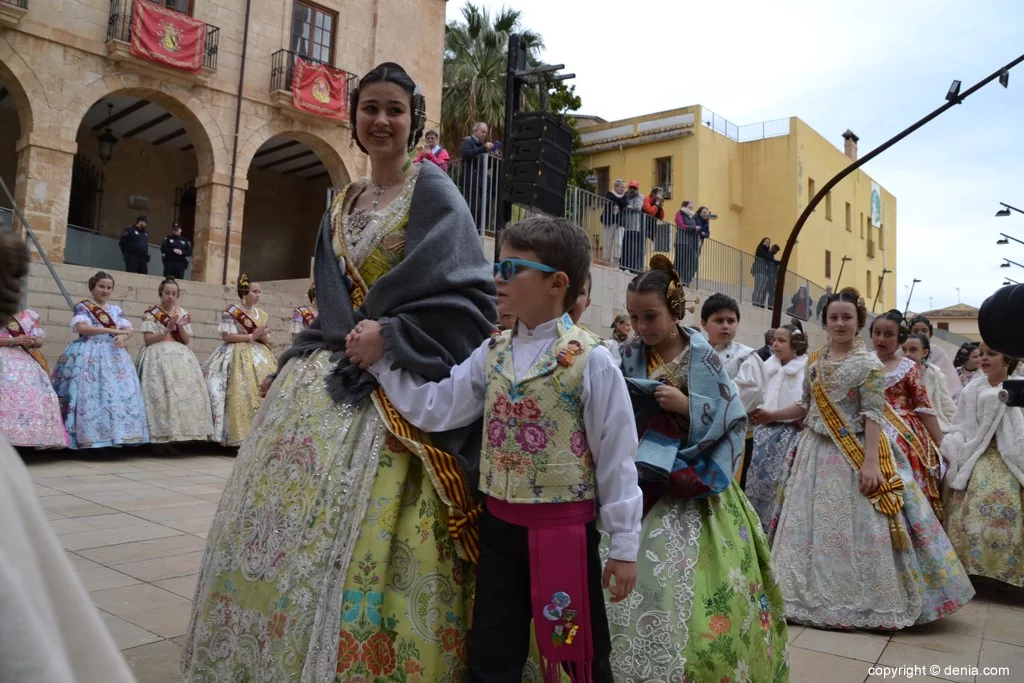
(720, 318)
(559, 432)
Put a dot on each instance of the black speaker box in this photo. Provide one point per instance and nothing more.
(536, 197)
(534, 150)
(538, 173)
(543, 127)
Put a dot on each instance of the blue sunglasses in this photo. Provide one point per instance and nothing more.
(507, 270)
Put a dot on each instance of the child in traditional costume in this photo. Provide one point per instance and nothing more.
(910, 420)
(918, 349)
(857, 543)
(706, 606)
(774, 443)
(177, 401)
(236, 368)
(303, 316)
(29, 409)
(95, 380)
(558, 433)
(985, 500)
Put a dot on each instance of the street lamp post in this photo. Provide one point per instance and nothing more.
(878, 294)
(1006, 239)
(1010, 281)
(1006, 263)
(951, 101)
(910, 296)
(841, 267)
(1005, 211)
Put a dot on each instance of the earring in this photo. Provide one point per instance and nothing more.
(673, 333)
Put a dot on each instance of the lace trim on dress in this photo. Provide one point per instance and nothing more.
(362, 230)
(897, 375)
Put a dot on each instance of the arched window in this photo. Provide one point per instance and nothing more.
(86, 194)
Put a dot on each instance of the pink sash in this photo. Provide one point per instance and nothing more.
(559, 586)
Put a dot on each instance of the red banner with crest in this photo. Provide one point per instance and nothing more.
(320, 89)
(168, 37)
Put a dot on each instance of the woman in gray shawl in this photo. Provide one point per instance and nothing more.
(344, 542)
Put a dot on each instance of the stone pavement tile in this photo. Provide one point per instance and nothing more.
(55, 468)
(168, 622)
(80, 563)
(143, 550)
(945, 635)
(127, 635)
(43, 492)
(1005, 625)
(195, 511)
(72, 506)
(52, 515)
(191, 526)
(128, 599)
(118, 520)
(211, 497)
(996, 654)
(807, 666)
(87, 484)
(185, 586)
(162, 568)
(103, 578)
(193, 489)
(100, 537)
(901, 654)
(866, 647)
(156, 662)
(68, 526)
(793, 630)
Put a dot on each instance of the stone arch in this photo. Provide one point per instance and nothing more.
(325, 147)
(20, 80)
(203, 130)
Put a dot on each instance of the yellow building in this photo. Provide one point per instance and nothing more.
(758, 179)
(959, 319)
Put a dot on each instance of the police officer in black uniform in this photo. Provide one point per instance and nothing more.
(176, 250)
(134, 244)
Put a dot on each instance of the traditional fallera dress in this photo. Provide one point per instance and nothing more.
(234, 372)
(302, 318)
(938, 393)
(177, 401)
(29, 409)
(774, 443)
(336, 554)
(706, 606)
(845, 560)
(905, 400)
(100, 397)
(985, 499)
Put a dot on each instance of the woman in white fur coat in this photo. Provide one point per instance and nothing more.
(918, 349)
(774, 443)
(985, 499)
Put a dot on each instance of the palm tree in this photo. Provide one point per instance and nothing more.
(475, 63)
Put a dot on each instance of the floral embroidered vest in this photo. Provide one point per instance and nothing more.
(535, 445)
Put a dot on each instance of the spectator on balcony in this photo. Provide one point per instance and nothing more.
(653, 204)
(433, 151)
(760, 270)
(703, 218)
(612, 219)
(687, 243)
(773, 274)
(134, 245)
(632, 235)
(822, 300)
(475, 167)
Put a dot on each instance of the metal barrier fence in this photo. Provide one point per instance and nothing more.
(627, 239)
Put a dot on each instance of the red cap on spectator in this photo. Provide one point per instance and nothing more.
(634, 183)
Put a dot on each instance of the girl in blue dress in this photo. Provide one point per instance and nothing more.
(95, 378)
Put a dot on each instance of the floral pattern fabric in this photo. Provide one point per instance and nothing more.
(986, 521)
(29, 409)
(177, 400)
(905, 392)
(773, 445)
(100, 398)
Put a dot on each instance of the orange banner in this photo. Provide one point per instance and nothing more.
(320, 89)
(168, 37)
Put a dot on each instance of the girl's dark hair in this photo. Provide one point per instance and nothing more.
(797, 338)
(13, 267)
(921, 319)
(389, 72)
(663, 279)
(243, 286)
(963, 353)
(849, 295)
(311, 294)
(925, 344)
(167, 281)
(101, 275)
(895, 316)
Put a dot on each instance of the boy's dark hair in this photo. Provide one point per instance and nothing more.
(590, 281)
(716, 303)
(558, 243)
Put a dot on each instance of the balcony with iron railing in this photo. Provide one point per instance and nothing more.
(627, 240)
(282, 77)
(11, 12)
(119, 37)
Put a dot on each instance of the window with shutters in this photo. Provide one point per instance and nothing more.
(313, 30)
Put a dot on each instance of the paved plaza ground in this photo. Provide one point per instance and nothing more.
(134, 527)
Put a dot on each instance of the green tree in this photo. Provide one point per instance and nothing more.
(475, 64)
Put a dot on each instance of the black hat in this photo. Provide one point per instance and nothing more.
(995, 321)
(176, 226)
(143, 217)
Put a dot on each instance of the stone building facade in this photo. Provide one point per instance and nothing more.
(67, 76)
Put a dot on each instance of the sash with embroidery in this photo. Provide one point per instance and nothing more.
(243, 319)
(887, 498)
(927, 454)
(308, 316)
(101, 316)
(162, 317)
(16, 330)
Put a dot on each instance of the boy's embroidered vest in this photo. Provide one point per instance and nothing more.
(535, 445)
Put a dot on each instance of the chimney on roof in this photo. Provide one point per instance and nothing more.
(850, 145)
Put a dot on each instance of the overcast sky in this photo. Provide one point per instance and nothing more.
(872, 66)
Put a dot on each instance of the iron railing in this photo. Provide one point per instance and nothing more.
(627, 239)
(119, 27)
(282, 70)
(22, 4)
(747, 133)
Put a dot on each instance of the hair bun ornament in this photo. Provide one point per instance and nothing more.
(243, 279)
(860, 302)
(661, 262)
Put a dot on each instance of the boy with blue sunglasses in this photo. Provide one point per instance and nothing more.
(559, 433)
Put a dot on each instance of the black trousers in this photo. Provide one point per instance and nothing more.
(500, 640)
(748, 455)
(136, 263)
(175, 269)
